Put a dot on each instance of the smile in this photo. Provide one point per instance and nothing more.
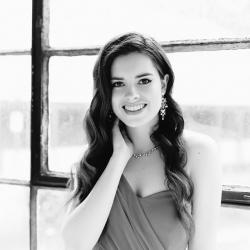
(134, 108)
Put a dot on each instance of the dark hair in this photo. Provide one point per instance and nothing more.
(168, 134)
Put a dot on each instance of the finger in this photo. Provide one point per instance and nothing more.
(116, 123)
(123, 130)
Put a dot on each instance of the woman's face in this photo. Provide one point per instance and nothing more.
(136, 89)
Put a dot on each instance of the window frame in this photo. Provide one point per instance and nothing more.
(41, 53)
(236, 196)
(41, 177)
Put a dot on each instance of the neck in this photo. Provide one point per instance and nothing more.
(140, 137)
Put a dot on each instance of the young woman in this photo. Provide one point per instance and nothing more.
(144, 182)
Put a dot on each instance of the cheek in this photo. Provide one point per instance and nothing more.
(157, 105)
(157, 98)
(114, 102)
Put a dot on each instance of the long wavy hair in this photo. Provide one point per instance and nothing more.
(98, 125)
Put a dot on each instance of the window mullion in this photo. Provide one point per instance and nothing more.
(15, 52)
(169, 47)
(33, 218)
(39, 100)
(236, 195)
(39, 108)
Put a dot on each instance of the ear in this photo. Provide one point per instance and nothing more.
(164, 83)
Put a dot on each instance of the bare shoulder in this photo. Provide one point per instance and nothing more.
(205, 173)
(195, 140)
(201, 150)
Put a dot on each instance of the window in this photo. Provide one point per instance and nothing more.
(44, 93)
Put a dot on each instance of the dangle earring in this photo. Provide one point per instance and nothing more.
(164, 105)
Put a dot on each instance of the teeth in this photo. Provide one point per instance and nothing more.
(134, 107)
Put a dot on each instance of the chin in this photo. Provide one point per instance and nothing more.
(140, 122)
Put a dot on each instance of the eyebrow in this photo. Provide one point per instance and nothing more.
(138, 76)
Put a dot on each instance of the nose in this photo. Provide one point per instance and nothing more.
(132, 94)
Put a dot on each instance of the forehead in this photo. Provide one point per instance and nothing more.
(133, 63)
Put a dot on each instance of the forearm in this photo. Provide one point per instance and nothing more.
(85, 223)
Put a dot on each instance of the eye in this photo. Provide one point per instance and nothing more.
(117, 84)
(145, 81)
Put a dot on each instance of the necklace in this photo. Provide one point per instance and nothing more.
(139, 155)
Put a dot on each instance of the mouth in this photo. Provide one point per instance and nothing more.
(134, 109)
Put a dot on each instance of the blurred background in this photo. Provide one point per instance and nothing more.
(212, 88)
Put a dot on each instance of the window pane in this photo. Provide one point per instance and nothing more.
(79, 23)
(15, 91)
(14, 217)
(234, 229)
(212, 88)
(213, 101)
(51, 208)
(15, 24)
(70, 92)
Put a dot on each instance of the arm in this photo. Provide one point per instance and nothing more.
(205, 172)
(83, 226)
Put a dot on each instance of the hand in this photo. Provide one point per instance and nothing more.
(121, 143)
